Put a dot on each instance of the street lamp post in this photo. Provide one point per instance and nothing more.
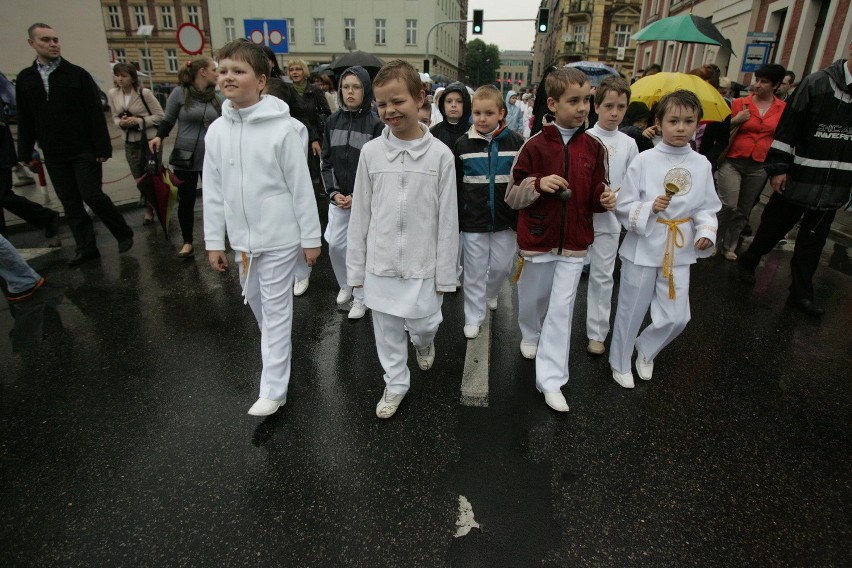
(145, 32)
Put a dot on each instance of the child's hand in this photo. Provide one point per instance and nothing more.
(661, 203)
(343, 201)
(218, 260)
(608, 200)
(649, 132)
(311, 255)
(703, 243)
(552, 183)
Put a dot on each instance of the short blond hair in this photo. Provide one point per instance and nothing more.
(403, 71)
(301, 63)
(558, 81)
(489, 93)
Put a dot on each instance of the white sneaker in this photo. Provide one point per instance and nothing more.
(596, 347)
(624, 379)
(491, 303)
(644, 369)
(471, 331)
(265, 406)
(357, 310)
(425, 356)
(556, 401)
(344, 295)
(529, 350)
(388, 404)
(301, 286)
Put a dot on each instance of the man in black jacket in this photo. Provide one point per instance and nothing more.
(59, 107)
(810, 170)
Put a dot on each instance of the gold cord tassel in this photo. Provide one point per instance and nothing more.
(674, 241)
(517, 275)
(245, 263)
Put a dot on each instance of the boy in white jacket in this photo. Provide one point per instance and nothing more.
(257, 189)
(403, 231)
(668, 205)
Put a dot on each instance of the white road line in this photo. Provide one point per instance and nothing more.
(474, 385)
(466, 520)
(31, 253)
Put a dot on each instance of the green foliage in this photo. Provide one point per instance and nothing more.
(482, 61)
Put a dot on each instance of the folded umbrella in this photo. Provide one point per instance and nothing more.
(159, 187)
(651, 89)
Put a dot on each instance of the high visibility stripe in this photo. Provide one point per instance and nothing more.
(484, 179)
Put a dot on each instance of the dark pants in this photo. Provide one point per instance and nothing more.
(27, 210)
(77, 181)
(186, 202)
(778, 218)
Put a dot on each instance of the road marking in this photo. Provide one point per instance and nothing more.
(474, 385)
(31, 253)
(466, 520)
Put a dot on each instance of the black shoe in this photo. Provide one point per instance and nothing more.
(125, 245)
(746, 275)
(52, 227)
(806, 306)
(83, 257)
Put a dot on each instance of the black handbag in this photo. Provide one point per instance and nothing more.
(184, 159)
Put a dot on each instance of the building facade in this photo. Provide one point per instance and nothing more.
(322, 31)
(159, 55)
(515, 71)
(588, 30)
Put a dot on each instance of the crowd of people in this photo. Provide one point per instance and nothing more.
(420, 203)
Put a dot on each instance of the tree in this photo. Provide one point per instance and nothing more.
(482, 61)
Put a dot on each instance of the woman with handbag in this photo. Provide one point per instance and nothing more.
(192, 106)
(741, 176)
(137, 111)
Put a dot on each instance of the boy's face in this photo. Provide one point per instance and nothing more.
(678, 125)
(425, 116)
(398, 109)
(353, 92)
(453, 105)
(486, 115)
(611, 110)
(513, 99)
(239, 84)
(572, 108)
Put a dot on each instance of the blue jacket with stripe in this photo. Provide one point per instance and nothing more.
(483, 171)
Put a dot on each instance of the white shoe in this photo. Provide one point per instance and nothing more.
(344, 295)
(301, 286)
(529, 350)
(491, 303)
(471, 331)
(357, 310)
(425, 356)
(556, 401)
(596, 347)
(388, 404)
(644, 369)
(265, 406)
(624, 379)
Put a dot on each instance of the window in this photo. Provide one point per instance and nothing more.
(291, 29)
(166, 15)
(410, 32)
(580, 35)
(380, 32)
(230, 30)
(146, 62)
(120, 55)
(319, 30)
(349, 29)
(172, 60)
(192, 15)
(139, 13)
(622, 35)
(114, 19)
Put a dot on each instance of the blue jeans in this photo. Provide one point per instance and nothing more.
(14, 269)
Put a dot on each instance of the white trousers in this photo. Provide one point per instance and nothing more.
(602, 255)
(487, 263)
(550, 287)
(639, 288)
(335, 236)
(268, 288)
(392, 345)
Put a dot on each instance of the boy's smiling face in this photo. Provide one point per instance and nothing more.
(572, 108)
(238, 82)
(399, 109)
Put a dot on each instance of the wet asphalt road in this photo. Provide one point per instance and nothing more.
(125, 441)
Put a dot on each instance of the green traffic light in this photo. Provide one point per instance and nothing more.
(477, 29)
(542, 28)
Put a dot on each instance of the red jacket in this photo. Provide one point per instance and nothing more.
(755, 135)
(545, 222)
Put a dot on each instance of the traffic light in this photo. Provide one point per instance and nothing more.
(425, 65)
(477, 22)
(543, 19)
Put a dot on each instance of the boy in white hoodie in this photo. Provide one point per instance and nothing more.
(257, 190)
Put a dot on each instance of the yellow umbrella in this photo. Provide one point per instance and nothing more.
(651, 89)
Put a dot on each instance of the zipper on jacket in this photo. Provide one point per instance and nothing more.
(490, 187)
(564, 207)
(242, 189)
(400, 221)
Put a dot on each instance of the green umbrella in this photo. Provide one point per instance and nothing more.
(685, 28)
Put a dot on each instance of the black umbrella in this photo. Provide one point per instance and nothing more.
(443, 79)
(366, 60)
